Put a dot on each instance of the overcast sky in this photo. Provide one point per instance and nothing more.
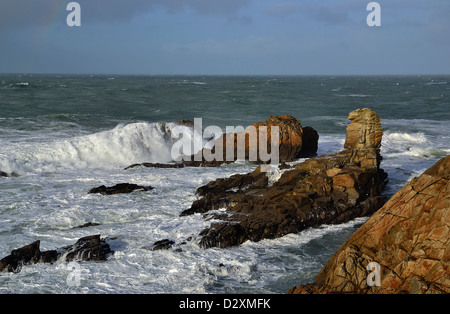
(297, 37)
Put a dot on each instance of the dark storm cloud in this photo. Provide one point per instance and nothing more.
(24, 13)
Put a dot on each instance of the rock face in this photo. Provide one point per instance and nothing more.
(290, 138)
(409, 238)
(323, 190)
(91, 248)
(119, 188)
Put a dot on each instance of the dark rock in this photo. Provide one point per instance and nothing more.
(310, 143)
(119, 188)
(29, 254)
(90, 248)
(163, 245)
(12, 174)
(157, 165)
(86, 225)
(49, 257)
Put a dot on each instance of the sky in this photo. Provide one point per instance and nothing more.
(226, 37)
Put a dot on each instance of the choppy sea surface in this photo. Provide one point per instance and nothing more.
(65, 134)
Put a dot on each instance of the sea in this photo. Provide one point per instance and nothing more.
(61, 135)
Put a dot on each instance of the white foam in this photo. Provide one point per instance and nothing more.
(406, 137)
(354, 95)
(122, 146)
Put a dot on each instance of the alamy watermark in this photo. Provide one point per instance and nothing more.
(374, 277)
(74, 277)
(374, 17)
(251, 144)
(74, 17)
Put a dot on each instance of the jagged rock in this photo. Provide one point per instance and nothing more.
(29, 254)
(90, 248)
(119, 188)
(409, 238)
(3, 174)
(327, 189)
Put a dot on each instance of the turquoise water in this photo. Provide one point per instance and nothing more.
(64, 134)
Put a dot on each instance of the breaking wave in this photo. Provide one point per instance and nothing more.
(121, 146)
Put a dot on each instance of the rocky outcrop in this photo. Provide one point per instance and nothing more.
(119, 188)
(91, 248)
(294, 142)
(323, 190)
(289, 143)
(408, 238)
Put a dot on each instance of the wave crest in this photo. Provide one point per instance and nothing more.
(124, 145)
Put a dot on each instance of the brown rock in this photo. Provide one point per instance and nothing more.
(289, 144)
(365, 130)
(409, 238)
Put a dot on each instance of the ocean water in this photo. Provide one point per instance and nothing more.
(65, 134)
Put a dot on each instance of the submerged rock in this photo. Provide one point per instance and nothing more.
(119, 188)
(87, 225)
(328, 189)
(91, 248)
(163, 245)
(409, 238)
(5, 174)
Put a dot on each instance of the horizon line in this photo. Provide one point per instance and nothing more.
(218, 74)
